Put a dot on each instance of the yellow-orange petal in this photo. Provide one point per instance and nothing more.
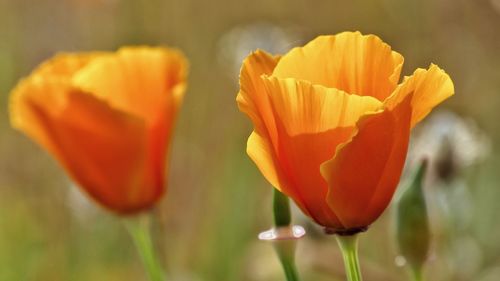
(355, 63)
(139, 80)
(262, 154)
(103, 149)
(64, 65)
(308, 108)
(428, 87)
(311, 121)
(364, 173)
(59, 70)
(252, 98)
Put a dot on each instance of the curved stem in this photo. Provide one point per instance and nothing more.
(139, 230)
(290, 271)
(349, 247)
(285, 250)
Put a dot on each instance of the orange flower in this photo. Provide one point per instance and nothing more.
(331, 123)
(107, 118)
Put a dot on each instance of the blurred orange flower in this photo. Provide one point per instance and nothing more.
(107, 118)
(331, 123)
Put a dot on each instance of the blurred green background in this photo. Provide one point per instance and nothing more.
(217, 202)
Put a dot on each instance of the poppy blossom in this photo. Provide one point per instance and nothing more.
(107, 118)
(332, 124)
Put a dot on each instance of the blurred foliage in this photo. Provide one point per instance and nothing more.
(217, 202)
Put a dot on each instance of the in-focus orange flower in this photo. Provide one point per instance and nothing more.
(331, 123)
(107, 118)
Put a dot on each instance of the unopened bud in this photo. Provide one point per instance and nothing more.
(412, 225)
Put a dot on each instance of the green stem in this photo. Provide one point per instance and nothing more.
(416, 274)
(139, 230)
(290, 271)
(349, 247)
(286, 250)
(281, 209)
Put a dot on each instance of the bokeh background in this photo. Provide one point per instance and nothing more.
(217, 203)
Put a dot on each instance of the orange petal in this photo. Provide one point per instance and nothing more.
(102, 149)
(311, 121)
(429, 87)
(252, 98)
(63, 66)
(261, 152)
(140, 80)
(355, 63)
(364, 173)
(147, 82)
(59, 70)
(309, 108)
(253, 101)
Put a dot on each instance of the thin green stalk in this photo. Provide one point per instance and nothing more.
(416, 274)
(286, 251)
(139, 230)
(349, 247)
(281, 209)
(290, 271)
(284, 248)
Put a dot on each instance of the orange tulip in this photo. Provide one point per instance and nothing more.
(107, 118)
(331, 123)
